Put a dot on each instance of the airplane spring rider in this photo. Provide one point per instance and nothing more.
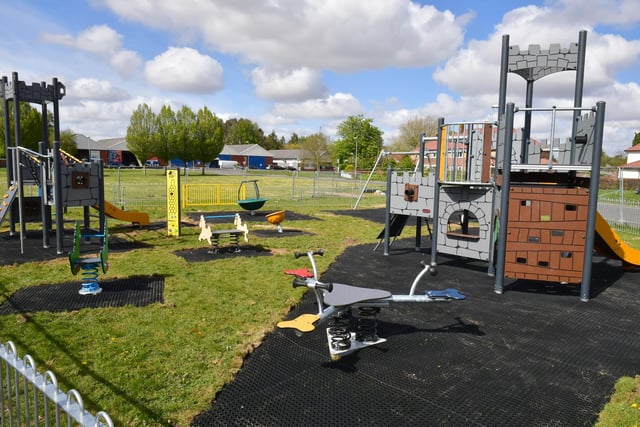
(89, 264)
(351, 311)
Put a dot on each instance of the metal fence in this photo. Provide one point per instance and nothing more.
(29, 398)
(331, 191)
(621, 214)
(322, 191)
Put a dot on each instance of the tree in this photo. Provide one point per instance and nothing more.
(359, 142)
(294, 140)
(314, 148)
(140, 133)
(185, 133)
(30, 127)
(164, 137)
(243, 131)
(411, 132)
(636, 139)
(271, 142)
(208, 136)
(68, 142)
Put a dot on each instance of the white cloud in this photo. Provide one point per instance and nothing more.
(125, 62)
(292, 85)
(100, 40)
(184, 69)
(88, 88)
(340, 105)
(339, 35)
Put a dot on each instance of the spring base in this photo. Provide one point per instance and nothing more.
(347, 334)
(90, 284)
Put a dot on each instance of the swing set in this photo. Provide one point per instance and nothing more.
(254, 203)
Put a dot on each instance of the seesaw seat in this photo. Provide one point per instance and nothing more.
(343, 295)
(303, 323)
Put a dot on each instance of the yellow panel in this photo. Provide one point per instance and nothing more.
(173, 202)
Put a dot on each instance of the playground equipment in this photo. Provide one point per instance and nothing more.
(348, 332)
(530, 210)
(276, 218)
(89, 264)
(213, 237)
(250, 203)
(62, 181)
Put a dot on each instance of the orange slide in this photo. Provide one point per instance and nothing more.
(608, 244)
(134, 217)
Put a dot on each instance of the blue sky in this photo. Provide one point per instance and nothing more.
(304, 66)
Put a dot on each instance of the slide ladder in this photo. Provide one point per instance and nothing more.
(7, 200)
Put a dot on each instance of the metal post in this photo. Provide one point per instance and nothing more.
(577, 98)
(593, 202)
(57, 196)
(504, 197)
(387, 210)
(436, 194)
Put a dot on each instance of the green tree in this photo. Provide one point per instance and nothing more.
(208, 136)
(271, 142)
(243, 131)
(140, 133)
(359, 142)
(68, 142)
(30, 127)
(294, 140)
(165, 137)
(315, 147)
(411, 132)
(636, 139)
(185, 134)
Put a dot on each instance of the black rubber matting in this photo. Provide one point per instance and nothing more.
(274, 233)
(138, 291)
(207, 253)
(535, 355)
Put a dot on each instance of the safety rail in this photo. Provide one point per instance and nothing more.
(572, 155)
(465, 152)
(30, 398)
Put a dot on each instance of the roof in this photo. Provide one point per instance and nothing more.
(632, 165)
(245, 150)
(634, 148)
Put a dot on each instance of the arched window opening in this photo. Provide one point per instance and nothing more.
(463, 223)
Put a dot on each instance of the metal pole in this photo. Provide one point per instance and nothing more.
(504, 198)
(593, 202)
(57, 196)
(436, 193)
(387, 211)
(577, 98)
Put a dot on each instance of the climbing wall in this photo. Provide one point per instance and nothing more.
(546, 233)
(411, 194)
(476, 201)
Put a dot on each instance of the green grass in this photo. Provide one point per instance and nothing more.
(163, 364)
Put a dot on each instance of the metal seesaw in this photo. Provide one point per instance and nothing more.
(348, 332)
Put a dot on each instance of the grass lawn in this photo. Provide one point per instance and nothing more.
(162, 364)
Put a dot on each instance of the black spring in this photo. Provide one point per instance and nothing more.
(338, 328)
(367, 324)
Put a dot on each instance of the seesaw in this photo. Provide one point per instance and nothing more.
(213, 237)
(346, 331)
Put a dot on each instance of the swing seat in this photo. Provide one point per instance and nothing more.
(252, 204)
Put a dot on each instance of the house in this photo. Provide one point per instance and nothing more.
(112, 151)
(250, 156)
(631, 170)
